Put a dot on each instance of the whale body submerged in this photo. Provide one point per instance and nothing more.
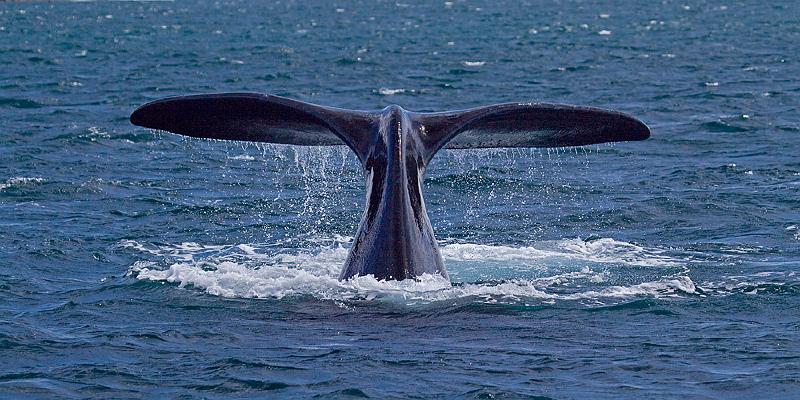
(395, 239)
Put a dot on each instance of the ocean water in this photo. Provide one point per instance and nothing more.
(141, 264)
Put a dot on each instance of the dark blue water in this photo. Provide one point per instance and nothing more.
(139, 264)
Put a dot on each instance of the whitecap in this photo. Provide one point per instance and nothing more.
(389, 92)
(20, 181)
(243, 157)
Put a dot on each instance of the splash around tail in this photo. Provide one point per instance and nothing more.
(395, 239)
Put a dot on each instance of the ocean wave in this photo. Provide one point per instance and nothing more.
(19, 103)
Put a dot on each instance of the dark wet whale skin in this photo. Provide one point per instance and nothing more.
(395, 239)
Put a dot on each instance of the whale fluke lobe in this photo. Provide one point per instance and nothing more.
(528, 125)
(395, 239)
(257, 117)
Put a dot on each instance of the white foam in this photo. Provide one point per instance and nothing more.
(389, 92)
(243, 157)
(263, 271)
(20, 181)
(532, 289)
(752, 283)
(600, 251)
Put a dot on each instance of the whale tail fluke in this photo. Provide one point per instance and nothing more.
(395, 239)
(275, 119)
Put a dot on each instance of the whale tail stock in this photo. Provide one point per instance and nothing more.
(395, 239)
(274, 119)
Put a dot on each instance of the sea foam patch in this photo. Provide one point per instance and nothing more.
(20, 181)
(603, 250)
(579, 271)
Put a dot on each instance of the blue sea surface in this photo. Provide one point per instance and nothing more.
(140, 264)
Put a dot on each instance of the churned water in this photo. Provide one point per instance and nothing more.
(139, 264)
